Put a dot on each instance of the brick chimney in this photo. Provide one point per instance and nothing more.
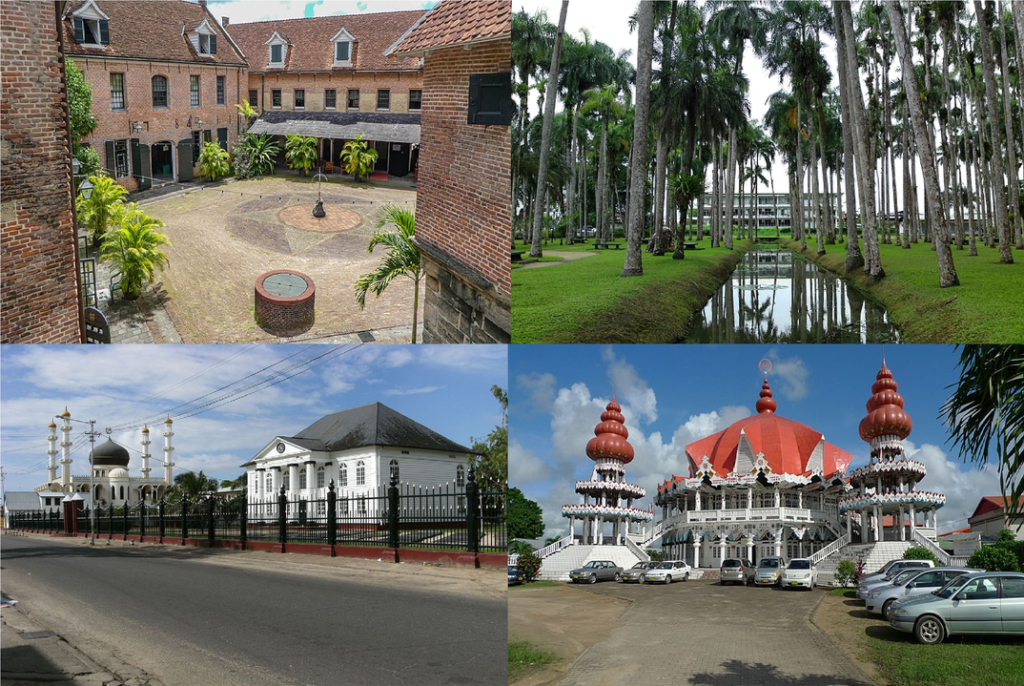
(224, 21)
(202, 3)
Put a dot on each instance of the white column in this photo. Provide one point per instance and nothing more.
(913, 523)
(878, 523)
(168, 449)
(145, 453)
(849, 525)
(65, 454)
(800, 498)
(723, 501)
(697, 501)
(310, 476)
(903, 531)
(696, 553)
(750, 549)
(51, 467)
(865, 526)
(293, 480)
(750, 498)
(778, 499)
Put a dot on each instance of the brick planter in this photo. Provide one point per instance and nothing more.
(283, 308)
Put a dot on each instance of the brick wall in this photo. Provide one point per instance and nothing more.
(173, 123)
(463, 204)
(39, 302)
(368, 83)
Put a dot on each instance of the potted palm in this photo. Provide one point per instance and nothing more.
(300, 152)
(402, 258)
(97, 211)
(134, 248)
(358, 159)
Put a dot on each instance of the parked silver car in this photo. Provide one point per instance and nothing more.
(669, 571)
(986, 603)
(894, 568)
(865, 589)
(921, 582)
(638, 572)
(799, 573)
(737, 571)
(769, 571)
(596, 570)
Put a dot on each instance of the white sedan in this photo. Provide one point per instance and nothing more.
(800, 572)
(668, 571)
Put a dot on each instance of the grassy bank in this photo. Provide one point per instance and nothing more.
(586, 301)
(986, 307)
(523, 656)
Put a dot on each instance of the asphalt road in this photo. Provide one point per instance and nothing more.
(184, 619)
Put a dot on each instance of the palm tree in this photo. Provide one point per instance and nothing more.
(193, 486)
(402, 258)
(300, 152)
(633, 265)
(213, 161)
(98, 210)
(246, 111)
(262, 151)
(683, 189)
(603, 101)
(358, 159)
(134, 248)
(854, 259)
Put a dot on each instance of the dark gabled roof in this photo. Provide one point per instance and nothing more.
(457, 22)
(310, 47)
(373, 424)
(152, 30)
(374, 126)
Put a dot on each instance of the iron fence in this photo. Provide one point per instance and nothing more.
(396, 516)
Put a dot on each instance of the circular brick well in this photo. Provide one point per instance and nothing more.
(285, 302)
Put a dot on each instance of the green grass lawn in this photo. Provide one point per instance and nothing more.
(524, 656)
(987, 306)
(586, 301)
(537, 584)
(969, 661)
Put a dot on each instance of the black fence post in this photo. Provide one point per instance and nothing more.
(245, 517)
(211, 531)
(393, 501)
(161, 511)
(124, 518)
(332, 515)
(472, 512)
(110, 521)
(142, 516)
(282, 516)
(184, 518)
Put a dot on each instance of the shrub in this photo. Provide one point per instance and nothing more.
(528, 565)
(258, 152)
(358, 159)
(98, 211)
(135, 248)
(300, 152)
(994, 558)
(858, 571)
(919, 553)
(214, 161)
(846, 572)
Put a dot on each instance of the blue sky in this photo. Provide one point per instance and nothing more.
(240, 11)
(673, 395)
(446, 388)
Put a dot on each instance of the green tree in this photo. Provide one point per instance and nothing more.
(79, 103)
(919, 553)
(358, 159)
(98, 210)
(135, 248)
(245, 110)
(1006, 537)
(491, 466)
(214, 161)
(993, 558)
(193, 485)
(402, 258)
(300, 152)
(238, 483)
(260, 151)
(525, 518)
(845, 573)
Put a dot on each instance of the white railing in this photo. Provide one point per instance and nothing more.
(756, 514)
(637, 550)
(513, 559)
(832, 547)
(944, 558)
(563, 542)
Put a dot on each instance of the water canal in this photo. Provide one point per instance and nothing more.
(777, 296)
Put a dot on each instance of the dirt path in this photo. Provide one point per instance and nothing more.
(566, 257)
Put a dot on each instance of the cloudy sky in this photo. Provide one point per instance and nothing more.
(674, 395)
(446, 388)
(240, 11)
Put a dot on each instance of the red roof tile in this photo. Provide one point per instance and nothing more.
(152, 30)
(309, 41)
(459, 22)
(992, 502)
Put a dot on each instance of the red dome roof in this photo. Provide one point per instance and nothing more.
(885, 410)
(610, 437)
(787, 445)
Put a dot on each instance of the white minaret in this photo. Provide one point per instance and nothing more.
(65, 446)
(168, 465)
(51, 466)
(145, 453)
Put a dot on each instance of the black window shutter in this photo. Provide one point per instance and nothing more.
(207, 136)
(222, 137)
(213, 44)
(79, 30)
(490, 99)
(110, 158)
(136, 158)
(104, 32)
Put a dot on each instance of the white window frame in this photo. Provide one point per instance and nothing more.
(342, 36)
(276, 39)
(343, 475)
(91, 15)
(360, 473)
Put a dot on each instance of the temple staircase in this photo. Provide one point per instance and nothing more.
(874, 555)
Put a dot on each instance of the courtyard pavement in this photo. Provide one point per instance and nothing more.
(704, 634)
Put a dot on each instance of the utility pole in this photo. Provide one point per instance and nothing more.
(92, 434)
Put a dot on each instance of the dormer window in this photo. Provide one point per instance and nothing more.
(278, 48)
(342, 41)
(275, 55)
(92, 27)
(204, 39)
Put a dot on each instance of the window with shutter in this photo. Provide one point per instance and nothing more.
(213, 44)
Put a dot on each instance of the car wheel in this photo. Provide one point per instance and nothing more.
(668, 579)
(593, 578)
(686, 577)
(929, 630)
(723, 582)
(618, 577)
(886, 607)
(643, 579)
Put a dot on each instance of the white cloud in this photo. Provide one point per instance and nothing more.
(793, 374)
(412, 391)
(541, 388)
(963, 486)
(629, 387)
(524, 466)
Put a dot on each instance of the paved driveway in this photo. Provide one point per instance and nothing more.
(705, 634)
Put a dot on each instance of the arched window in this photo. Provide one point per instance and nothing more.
(321, 477)
(360, 473)
(460, 476)
(394, 469)
(343, 474)
(122, 493)
(159, 91)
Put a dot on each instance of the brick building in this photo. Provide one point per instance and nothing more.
(40, 295)
(165, 79)
(328, 77)
(463, 205)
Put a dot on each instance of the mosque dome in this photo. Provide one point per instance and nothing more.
(110, 454)
(886, 416)
(610, 436)
(118, 473)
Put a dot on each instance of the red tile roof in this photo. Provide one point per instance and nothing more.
(152, 30)
(459, 22)
(956, 531)
(309, 41)
(993, 502)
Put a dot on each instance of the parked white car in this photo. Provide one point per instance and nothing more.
(881, 599)
(669, 571)
(800, 573)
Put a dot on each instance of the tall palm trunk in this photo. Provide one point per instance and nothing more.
(1014, 190)
(730, 188)
(657, 242)
(633, 265)
(716, 193)
(947, 272)
(800, 173)
(854, 259)
(545, 137)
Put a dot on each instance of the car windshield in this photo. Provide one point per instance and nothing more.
(665, 565)
(952, 587)
(640, 565)
(770, 563)
(904, 577)
(590, 565)
(800, 564)
(732, 563)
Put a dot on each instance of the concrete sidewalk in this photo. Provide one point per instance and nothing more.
(33, 654)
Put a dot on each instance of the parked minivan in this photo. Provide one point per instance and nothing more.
(769, 571)
(735, 570)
